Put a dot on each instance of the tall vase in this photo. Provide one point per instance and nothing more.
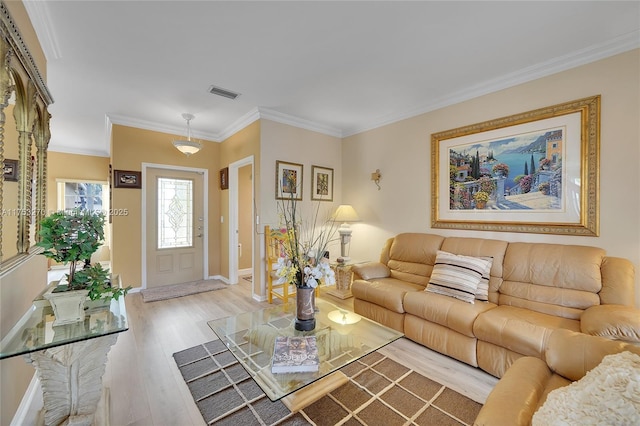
(305, 308)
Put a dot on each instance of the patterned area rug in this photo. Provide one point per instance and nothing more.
(380, 391)
(179, 290)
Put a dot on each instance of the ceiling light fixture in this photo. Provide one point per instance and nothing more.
(187, 147)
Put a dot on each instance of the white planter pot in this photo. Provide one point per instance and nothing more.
(68, 306)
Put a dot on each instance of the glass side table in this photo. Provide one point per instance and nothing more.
(70, 359)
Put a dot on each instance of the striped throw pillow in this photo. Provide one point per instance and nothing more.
(456, 275)
(482, 292)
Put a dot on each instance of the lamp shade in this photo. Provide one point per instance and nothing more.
(187, 147)
(346, 213)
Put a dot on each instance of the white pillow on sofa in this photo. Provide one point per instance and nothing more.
(482, 292)
(456, 275)
(609, 394)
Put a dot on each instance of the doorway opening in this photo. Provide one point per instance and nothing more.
(241, 223)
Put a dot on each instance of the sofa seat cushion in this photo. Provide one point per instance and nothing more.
(386, 292)
(520, 330)
(446, 311)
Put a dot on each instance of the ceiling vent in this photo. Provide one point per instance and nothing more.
(223, 92)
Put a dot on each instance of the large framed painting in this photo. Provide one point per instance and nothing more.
(535, 172)
(288, 181)
(321, 183)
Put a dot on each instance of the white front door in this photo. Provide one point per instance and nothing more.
(175, 226)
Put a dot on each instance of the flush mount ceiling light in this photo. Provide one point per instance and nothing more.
(187, 147)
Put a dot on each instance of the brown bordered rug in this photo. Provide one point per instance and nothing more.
(380, 391)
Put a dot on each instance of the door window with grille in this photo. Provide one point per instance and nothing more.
(175, 213)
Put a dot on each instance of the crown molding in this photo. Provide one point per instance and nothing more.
(40, 17)
(78, 151)
(158, 127)
(240, 123)
(280, 117)
(594, 53)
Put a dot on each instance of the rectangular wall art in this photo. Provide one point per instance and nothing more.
(532, 172)
(321, 183)
(288, 181)
(127, 179)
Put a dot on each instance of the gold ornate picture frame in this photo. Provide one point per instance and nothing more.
(534, 172)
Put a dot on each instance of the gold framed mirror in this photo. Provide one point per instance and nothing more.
(24, 137)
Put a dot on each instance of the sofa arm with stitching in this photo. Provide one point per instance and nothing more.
(370, 271)
(615, 322)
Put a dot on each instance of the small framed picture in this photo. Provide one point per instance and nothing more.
(127, 179)
(10, 170)
(224, 178)
(288, 181)
(321, 183)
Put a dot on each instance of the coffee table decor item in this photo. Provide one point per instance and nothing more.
(303, 261)
(295, 354)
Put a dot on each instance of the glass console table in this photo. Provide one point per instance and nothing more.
(69, 359)
(341, 336)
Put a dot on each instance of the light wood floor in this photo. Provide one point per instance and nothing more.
(146, 387)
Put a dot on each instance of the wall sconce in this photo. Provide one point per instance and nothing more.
(375, 176)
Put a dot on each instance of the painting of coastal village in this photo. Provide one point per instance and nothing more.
(522, 172)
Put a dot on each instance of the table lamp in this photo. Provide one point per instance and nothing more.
(345, 214)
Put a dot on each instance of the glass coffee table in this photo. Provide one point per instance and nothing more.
(341, 336)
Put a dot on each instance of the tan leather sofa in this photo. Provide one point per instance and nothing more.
(534, 288)
(524, 388)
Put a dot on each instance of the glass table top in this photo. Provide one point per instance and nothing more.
(35, 330)
(341, 336)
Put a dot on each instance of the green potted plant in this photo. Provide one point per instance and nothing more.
(71, 237)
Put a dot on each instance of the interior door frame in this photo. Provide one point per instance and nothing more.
(205, 200)
(233, 217)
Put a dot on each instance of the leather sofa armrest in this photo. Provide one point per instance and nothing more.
(370, 271)
(517, 395)
(615, 322)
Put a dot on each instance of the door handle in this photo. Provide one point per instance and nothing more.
(199, 235)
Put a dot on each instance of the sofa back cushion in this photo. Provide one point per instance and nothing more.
(555, 279)
(411, 256)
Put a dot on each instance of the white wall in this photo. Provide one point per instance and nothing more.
(295, 145)
(402, 153)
